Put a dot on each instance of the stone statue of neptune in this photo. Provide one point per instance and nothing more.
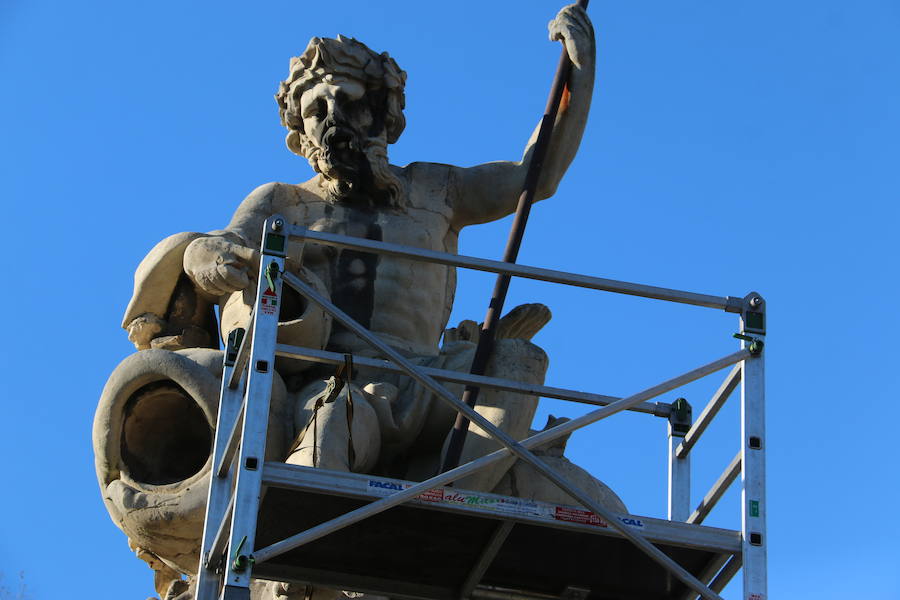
(342, 104)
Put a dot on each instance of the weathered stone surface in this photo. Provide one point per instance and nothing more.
(342, 105)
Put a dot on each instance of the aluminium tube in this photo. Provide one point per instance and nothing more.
(718, 489)
(709, 412)
(659, 409)
(726, 303)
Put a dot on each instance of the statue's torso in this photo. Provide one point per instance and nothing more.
(406, 302)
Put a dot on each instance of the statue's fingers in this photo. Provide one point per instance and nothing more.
(208, 282)
(555, 29)
(570, 22)
(232, 278)
(246, 255)
(574, 12)
(571, 35)
(581, 25)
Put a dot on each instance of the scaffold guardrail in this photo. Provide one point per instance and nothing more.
(230, 556)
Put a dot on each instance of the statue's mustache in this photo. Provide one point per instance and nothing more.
(338, 138)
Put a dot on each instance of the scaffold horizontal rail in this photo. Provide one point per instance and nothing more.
(659, 409)
(727, 303)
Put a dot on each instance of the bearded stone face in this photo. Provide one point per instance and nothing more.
(343, 104)
(338, 126)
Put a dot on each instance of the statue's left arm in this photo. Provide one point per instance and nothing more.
(491, 191)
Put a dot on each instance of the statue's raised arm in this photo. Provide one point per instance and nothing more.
(490, 191)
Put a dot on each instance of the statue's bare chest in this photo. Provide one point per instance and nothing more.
(372, 288)
(420, 227)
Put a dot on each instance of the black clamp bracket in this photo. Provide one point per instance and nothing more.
(680, 418)
(753, 314)
(274, 238)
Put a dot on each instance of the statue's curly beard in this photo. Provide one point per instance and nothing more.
(350, 171)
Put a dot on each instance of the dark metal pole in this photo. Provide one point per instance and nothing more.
(501, 287)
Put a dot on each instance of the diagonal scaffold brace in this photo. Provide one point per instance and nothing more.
(517, 231)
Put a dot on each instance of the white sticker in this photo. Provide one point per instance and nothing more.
(269, 302)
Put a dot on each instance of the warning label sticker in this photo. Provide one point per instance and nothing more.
(269, 302)
(432, 496)
(576, 515)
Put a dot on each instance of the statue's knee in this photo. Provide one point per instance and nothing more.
(336, 431)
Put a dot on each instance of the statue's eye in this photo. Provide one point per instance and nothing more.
(357, 107)
(317, 109)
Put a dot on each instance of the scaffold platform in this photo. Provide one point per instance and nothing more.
(511, 547)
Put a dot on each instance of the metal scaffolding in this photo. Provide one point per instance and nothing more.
(334, 529)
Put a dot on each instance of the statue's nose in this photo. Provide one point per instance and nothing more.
(329, 122)
(335, 114)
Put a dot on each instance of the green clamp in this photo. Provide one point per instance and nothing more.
(755, 346)
(272, 273)
(240, 562)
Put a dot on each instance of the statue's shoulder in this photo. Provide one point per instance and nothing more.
(274, 194)
(274, 197)
(426, 171)
(431, 185)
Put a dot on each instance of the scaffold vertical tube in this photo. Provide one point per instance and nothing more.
(261, 371)
(754, 536)
(679, 500)
(218, 496)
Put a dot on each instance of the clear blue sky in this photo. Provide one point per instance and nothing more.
(731, 146)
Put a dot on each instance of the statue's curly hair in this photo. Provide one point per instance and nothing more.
(383, 79)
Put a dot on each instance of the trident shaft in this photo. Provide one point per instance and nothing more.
(517, 231)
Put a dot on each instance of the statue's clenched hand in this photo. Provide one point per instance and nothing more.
(574, 29)
(218, 266)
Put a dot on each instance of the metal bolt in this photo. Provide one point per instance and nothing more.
(277, 224)
(755, 302)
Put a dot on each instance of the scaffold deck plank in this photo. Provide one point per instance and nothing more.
(427, 548)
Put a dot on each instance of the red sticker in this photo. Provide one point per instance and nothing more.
(575, 515)
(436, 495)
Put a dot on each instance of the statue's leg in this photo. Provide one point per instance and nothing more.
(515, 359)
(524, 481)
(276, 590)
(342, 434)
